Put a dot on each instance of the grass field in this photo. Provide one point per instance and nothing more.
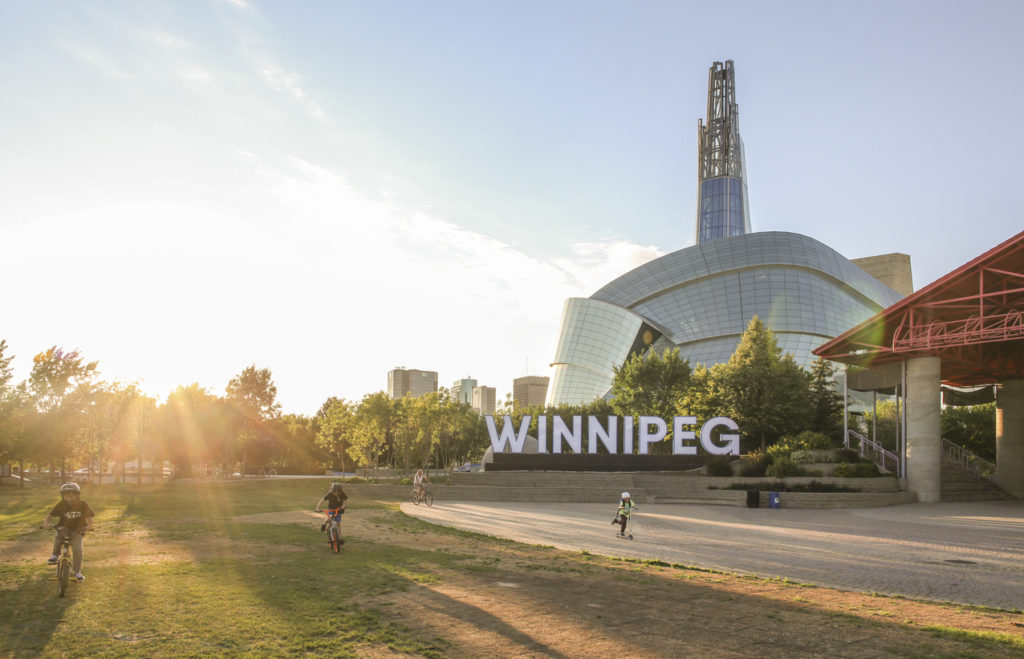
(200, 569)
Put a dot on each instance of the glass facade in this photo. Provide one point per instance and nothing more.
(723, 211)
(701, 299)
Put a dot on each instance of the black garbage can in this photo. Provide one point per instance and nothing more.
(753, 498)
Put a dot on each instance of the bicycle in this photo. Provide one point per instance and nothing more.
(64, 563)
(334, 539)
(423, 495)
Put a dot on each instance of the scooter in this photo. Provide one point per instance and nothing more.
(628, 533)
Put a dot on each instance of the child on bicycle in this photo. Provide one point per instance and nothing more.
(72, 517)
(626, 507)
(420, 481)
(335, 500)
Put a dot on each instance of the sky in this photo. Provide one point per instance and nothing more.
(333, 189)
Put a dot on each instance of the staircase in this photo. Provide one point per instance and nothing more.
(959, 484)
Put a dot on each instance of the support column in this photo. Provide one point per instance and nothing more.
(1010, 437)
(924, 428)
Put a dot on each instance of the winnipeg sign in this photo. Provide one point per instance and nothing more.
(648, 430)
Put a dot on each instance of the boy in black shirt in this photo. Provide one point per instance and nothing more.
(71, 517)
(335, 500)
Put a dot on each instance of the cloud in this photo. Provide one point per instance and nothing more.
(279, 80)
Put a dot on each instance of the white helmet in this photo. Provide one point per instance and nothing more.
(625, 495)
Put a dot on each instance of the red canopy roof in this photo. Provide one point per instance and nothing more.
(972, 318)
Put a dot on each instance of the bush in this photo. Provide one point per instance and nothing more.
(780, 486)
(355, 479)
(856, 470)
(807, 440)
(847, 455)
(755, 464)
(783, 467)
(718, 465)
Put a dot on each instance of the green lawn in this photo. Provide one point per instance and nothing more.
(225, 587)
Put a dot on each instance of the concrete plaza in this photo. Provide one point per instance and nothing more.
(969, 553)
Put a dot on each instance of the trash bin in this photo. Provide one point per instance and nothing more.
(773, 499)
(753, 498)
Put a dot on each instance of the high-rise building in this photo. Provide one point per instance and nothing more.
(462, 390)
(722, 209)
(403, 382)
(484, 399)
(530, 390)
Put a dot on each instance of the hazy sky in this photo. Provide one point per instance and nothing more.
(333, 189)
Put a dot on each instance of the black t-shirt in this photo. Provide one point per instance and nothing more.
(72, 516)
(334, 501)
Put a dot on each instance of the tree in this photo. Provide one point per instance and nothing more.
(650, 383)
(826, 412)
(61, 386)
(764, 391)
(336, 424)
(191, 423)
(376, 421)
(252, 397)
(973, 428)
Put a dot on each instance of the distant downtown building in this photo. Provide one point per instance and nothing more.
(530, 390)
(701, 298)
(403, 382)
(484, 400)
(462, 391)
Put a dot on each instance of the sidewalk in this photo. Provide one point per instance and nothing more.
(969, 553)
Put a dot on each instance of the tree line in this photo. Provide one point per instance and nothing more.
(64, 415)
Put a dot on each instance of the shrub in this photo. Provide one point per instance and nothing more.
(782, 467)
(847, 455)
(780, 486)
(856, 470)
(718, 465)
(355, 479)
(756, 464)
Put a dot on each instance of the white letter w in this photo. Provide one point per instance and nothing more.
(507, 433)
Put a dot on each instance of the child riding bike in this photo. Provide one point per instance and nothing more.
(72, 517)
(335, 500)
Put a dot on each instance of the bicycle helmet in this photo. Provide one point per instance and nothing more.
(625, 495)
(335, 487)
(70, 488)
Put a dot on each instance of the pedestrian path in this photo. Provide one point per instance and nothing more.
(968, 552)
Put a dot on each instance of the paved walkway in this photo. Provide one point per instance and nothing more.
(970, 553)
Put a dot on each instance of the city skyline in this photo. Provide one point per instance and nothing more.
(331, 189)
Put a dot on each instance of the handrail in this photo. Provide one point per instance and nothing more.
(881, 456)
(968, 461)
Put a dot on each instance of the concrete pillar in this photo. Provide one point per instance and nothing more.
(1010, 437)
(924, 428)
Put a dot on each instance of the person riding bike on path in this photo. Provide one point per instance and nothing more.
(419, 481)
(71, 517)
(626, 506)
(335, 500)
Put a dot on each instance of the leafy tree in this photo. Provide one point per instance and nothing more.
(376, 422)
(883, 426)
(252, 397)
(650, 383)
(764, 391)
(973, 428)
(191, 425)
(336, 418)
(61, 386)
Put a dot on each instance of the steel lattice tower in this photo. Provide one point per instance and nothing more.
(721, 187)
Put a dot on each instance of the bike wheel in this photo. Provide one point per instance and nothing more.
(428, 498)
(415, 498)
(335, 539)
(63, 574)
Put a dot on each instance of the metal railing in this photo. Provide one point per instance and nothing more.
(968, 461)
(874, 451)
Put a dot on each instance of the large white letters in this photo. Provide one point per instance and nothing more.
(652, 429)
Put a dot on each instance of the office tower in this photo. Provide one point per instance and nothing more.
(484, 399)
(530, 390)
(462, 390)
(722, 209)
(403, 382)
